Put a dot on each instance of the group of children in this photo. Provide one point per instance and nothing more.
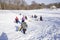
(35, 16)
(23, 23)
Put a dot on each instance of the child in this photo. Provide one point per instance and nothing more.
(17, 20)
(23, 26)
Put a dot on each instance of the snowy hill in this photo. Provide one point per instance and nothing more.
(48, 29)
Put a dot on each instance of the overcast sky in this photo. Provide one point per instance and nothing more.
(43, 1)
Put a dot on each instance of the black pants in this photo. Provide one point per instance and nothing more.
(24, 30)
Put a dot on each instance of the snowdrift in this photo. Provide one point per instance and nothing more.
(48, 29)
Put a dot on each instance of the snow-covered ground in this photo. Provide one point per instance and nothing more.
(48, 29)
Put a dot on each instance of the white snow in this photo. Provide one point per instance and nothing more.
(48, 29)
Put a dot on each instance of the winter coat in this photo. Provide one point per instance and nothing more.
(41, 18)
(23, 25)
(16, 19)
(23, 18)
(35, 16)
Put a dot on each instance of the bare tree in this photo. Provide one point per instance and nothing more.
(17, 2)
(9, 1)
(33, 5)
(20, 3)
(3, 4)
(0, 4)
(0, 1)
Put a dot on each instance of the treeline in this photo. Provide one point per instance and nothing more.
(55, 4)
(25, 6)
(34, 5)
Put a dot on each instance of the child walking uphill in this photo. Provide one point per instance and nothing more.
(24, 26)
(17, 20)
(23, 18)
